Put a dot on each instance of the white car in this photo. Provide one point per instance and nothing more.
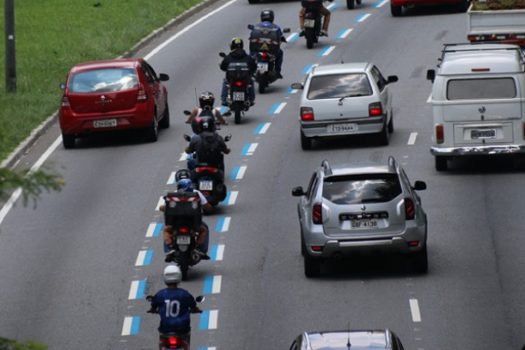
(345, 99)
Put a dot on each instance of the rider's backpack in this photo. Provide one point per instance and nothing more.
(263, 38)
(182, 206)
(209, 148)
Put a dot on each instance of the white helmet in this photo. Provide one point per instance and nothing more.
(172, 274)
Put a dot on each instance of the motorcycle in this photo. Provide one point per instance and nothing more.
(313, 21)
(238, 81)
(209, 179)
(173, 341)
(183, 212)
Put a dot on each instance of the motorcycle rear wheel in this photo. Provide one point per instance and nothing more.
(262, 87)
(237, 116)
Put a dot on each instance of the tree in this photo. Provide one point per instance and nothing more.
(32, 184)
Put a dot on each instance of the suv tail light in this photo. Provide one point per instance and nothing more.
(440, 133)
(142, 95)
(65, 102)
(410, 209)
(317, 214)
(307, 114)
(375, 109)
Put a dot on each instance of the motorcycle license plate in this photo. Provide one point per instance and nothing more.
(262, 67)
(205, 185)
(309, 23)
(238, 96)
(185, 240)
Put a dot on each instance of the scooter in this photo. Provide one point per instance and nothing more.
(173, 341)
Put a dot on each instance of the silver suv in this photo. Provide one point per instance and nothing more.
(363, 208)
(345, 99)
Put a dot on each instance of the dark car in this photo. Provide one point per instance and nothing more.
(112, 95)
(344, 340)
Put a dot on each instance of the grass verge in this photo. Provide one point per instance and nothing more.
(498, 5)
(53, 35)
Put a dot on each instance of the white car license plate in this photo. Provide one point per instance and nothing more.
(337, 128)
(238, 96)
(205, 185)
(262, 67)
(105, 123)
(309, 23)
(183, 240)
(477, 134)
(364, 224)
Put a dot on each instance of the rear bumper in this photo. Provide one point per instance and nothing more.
(477, 150)
(319, 128)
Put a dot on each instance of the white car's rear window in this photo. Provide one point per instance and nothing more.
(338, 86)
(103, 80)
(481, 88)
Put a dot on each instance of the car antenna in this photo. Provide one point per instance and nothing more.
(348, 345)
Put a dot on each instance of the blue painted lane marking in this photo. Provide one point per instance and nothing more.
(292, 38)
(245, 149)
(137, 290)
(307, 69)
(204, 320)
(154, 229)
(208, 284)
(235, 171)
(219, 225)
(131, 325)
(135, 325)
(344, 33)
(216, 252)
(362, 17)
(274, 108)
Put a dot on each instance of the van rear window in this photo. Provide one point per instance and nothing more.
(482, 88)
(338, 86)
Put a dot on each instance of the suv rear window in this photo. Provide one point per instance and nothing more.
(482, 88)
(339, 85)
(103, 80)
(356, 189)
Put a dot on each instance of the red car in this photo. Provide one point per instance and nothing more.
(113, 95)
(396, 6)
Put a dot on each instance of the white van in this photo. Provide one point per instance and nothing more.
(478, 101)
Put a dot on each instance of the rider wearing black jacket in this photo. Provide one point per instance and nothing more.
(238, 55)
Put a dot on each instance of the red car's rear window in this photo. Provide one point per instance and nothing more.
(103, 80)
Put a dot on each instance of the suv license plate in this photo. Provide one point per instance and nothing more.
(205, 185)
(238, 96)
(482, 134)
(309, 23)
(337, 128)
(364, 224)
(106, 123)
(183, 240)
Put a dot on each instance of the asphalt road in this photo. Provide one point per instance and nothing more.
(70, 268)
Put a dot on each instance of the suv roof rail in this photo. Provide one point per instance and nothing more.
(326, 167)
(392, 164)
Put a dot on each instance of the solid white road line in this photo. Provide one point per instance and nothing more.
(414, 309)
(412, 138)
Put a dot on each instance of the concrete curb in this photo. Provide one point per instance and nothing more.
(24, 147)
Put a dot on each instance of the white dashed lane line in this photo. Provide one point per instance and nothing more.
(183, 157)
(144, 257)
(238, 172)
(248, 149)
(412, 138)
(262, 128)
(381, 4)
(153, 229)
(159, 203)
(326, 51)
(209, 319)
(414, 309)
(131, 325)
(362, 17)
(212, 284)
(222, 224)
(136, 290)
(344, 33)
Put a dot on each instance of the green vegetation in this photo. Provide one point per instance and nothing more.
(53, 35)
(6, 344)
(498, 4)
(32, 184)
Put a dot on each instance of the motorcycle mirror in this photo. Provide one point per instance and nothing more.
(227, 114)
(149, 297)
(286, 30)
(186, 112)
(222, 54)
(250, 26)
(187, 138)
(200, 298)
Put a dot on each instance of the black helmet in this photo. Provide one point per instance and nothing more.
(182, 174)
(206, 99)
(236, 44)
(267, 16)
(207, 124)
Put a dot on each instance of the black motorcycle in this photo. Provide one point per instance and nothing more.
(183, 212)
(312, 25)
(238, 79)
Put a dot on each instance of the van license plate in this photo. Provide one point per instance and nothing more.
(238, 96)
(106, 123)
(183, 240)
(309, 23)
(205, 185)
(337, 128)
(482, 134)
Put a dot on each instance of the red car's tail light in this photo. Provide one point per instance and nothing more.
(410, 209)
(307, 114)
(440, 133)
(375, 109)
(65, 102)
(317, 214)
(142, 95)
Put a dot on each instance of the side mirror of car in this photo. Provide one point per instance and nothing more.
(222, 54)
(286, 30)
(228, 138)
(250, 26)
(298, 191)
(62, 86)
(431, 75)
(200, 298)
(187, 138)
(297, 86)
(420, 186)
(392, 78)
(186, 112)
(164, 77)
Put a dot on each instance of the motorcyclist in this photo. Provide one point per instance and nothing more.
(238, 55)
(184, 183)
(209, 147)
(174, 305)
(205, 108)
(275, 32)
(317, 4)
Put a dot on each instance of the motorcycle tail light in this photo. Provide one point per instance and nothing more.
(410, 209)
(172, 342)
(202, 169)
(375, 109)
(264, 56)
(238, 83)
(317, 214)
(184, 230)
(307, 114)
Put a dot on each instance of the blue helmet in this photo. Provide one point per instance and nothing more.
(185, 184)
